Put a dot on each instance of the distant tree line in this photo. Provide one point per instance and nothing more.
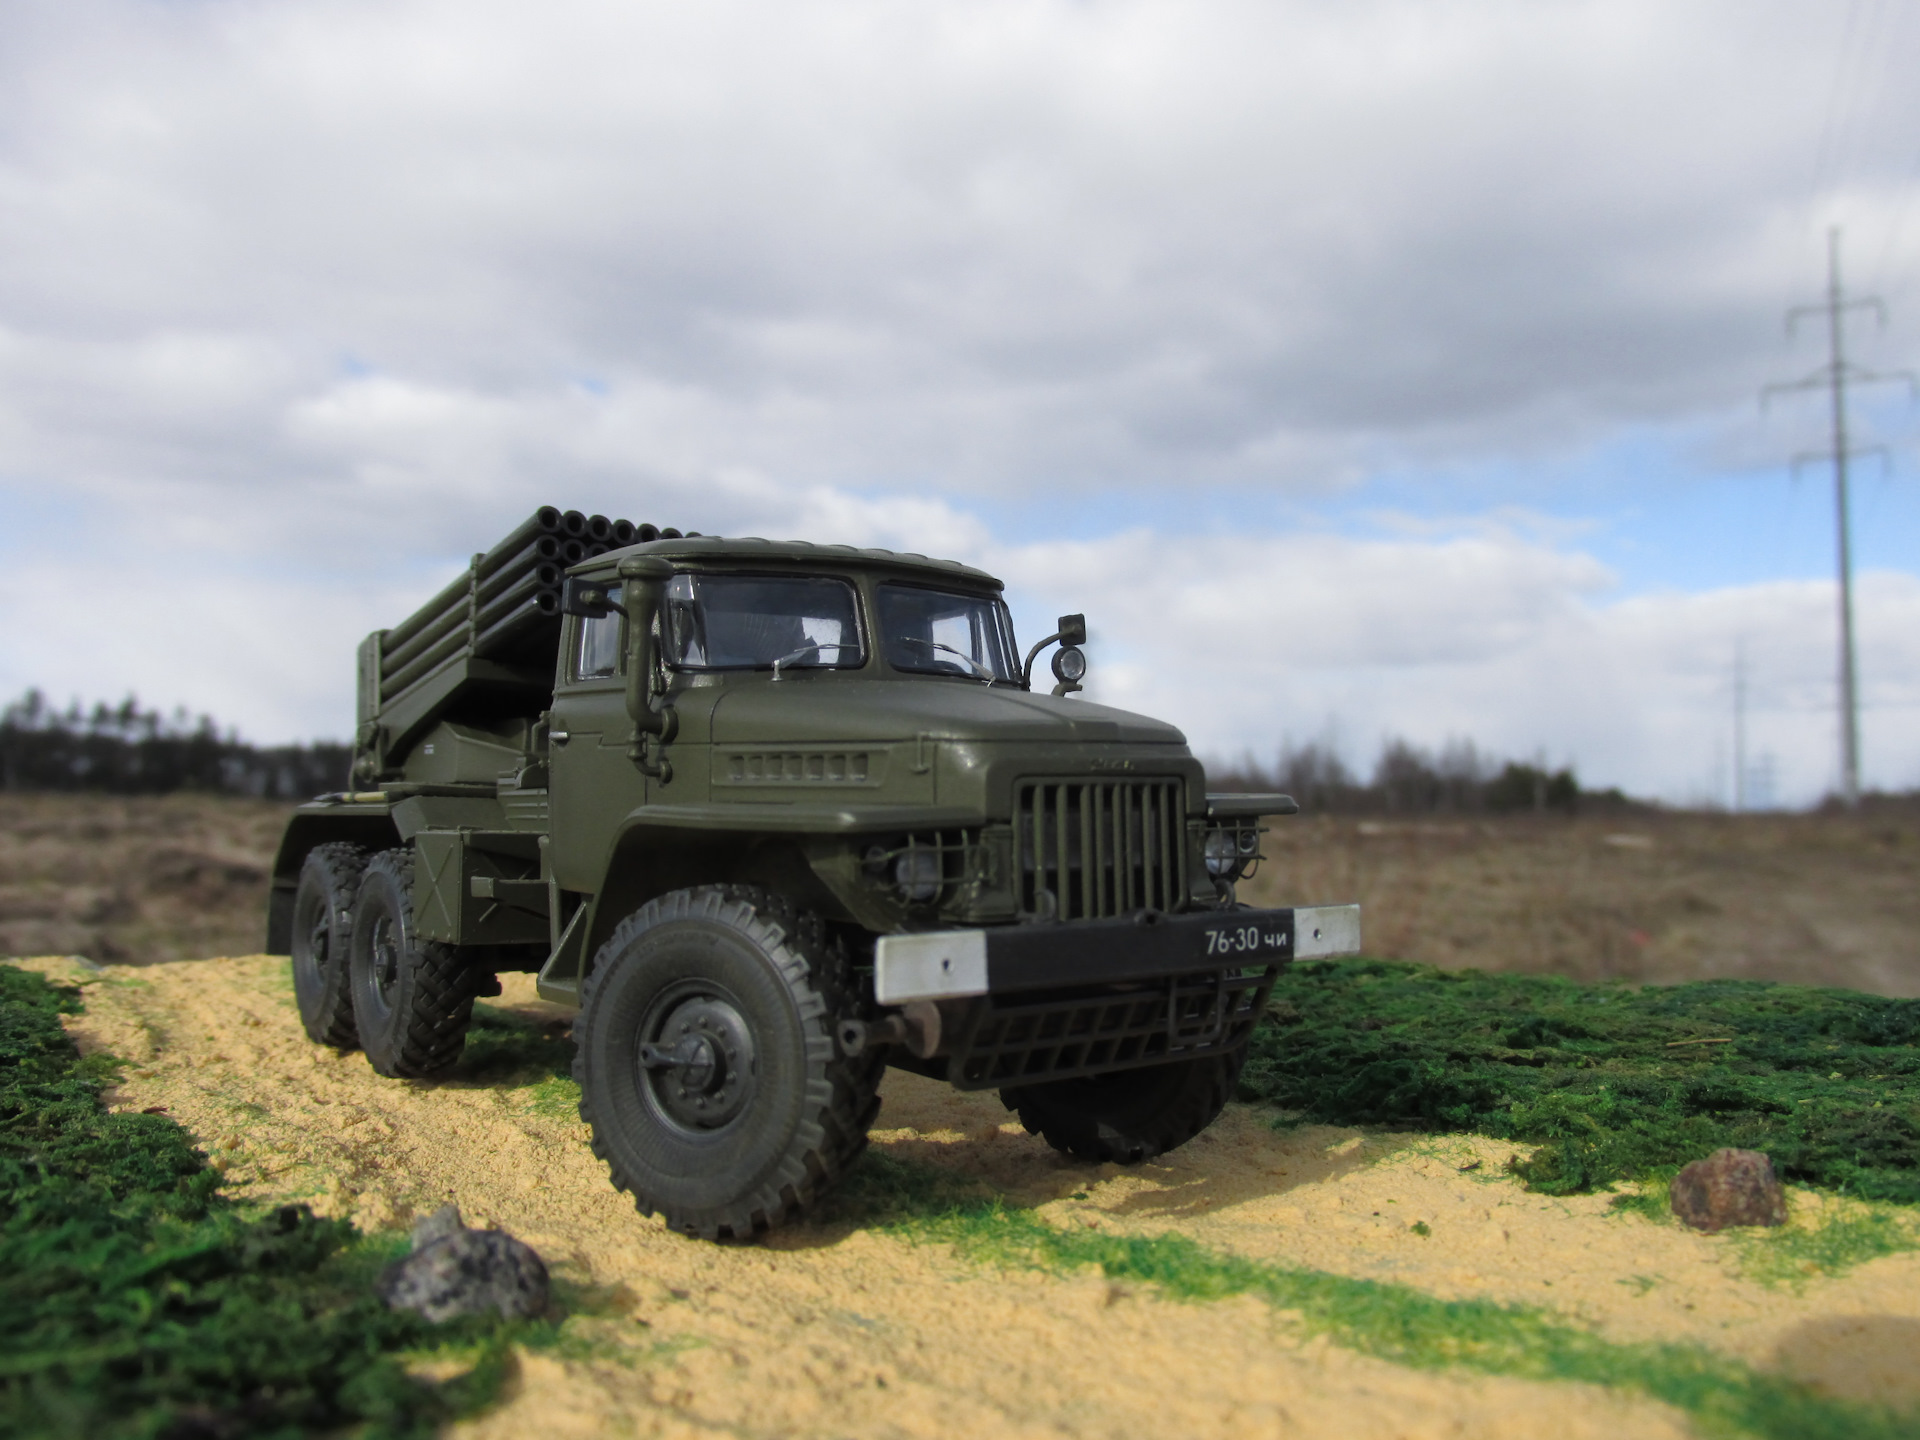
(1406, 779)
(127, 750)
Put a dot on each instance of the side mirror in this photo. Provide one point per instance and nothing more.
(589, 599)
(641, 578)
(1073, 630)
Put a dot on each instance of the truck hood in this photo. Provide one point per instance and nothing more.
(829, 709)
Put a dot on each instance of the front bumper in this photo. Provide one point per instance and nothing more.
(953, 964)
(1031, 1004)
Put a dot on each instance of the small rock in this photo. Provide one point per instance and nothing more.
(455, 1271)
(1729, 1187)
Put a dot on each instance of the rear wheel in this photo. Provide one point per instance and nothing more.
(412, 998)
(322, 929)
(707, 1063)
(1132, 1115)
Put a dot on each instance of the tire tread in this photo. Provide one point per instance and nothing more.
(430, 1032)
(344, 864)
(841, 1093)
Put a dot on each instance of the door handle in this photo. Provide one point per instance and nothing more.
(559, 737)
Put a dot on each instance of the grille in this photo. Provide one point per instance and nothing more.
(1068, 1037)
(1089, 849)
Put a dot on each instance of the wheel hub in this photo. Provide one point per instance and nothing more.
(386, 958)
(699, 1063)
(317, 937)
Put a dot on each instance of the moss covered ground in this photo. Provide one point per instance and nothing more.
(136, 1300)
(1610, 1082)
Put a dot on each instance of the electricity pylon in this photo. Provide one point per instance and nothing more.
(1834, 377)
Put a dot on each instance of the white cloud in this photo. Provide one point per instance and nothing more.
(992, 245)
(1258, 640)
(302, 301)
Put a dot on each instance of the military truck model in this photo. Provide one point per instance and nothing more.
(774, 817)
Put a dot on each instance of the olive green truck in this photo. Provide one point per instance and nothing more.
(773, 817)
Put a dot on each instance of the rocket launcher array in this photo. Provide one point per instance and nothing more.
(507, 606)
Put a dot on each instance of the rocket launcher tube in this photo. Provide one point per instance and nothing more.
(541, 577)
(545, 550)
(453, 597)
(544, 521)
(393, 683)
(393, 658)
(505, 633)
(510, 590)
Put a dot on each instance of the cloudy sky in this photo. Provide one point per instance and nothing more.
(1361, 369)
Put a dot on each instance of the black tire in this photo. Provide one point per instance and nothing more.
(322, 931)
(1131, 1115)
(707, 1063)
(412, 999)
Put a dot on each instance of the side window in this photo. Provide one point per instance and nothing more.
(600, 650)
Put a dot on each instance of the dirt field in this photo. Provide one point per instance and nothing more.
(119, 878)
(1806, 899)
(1802, 899)
(847, 1328)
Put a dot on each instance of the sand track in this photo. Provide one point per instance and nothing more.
(831, 1330)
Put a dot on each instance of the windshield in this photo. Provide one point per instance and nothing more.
(757, 622)
(936, 632)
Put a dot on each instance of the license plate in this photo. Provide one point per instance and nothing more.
(1268, 938)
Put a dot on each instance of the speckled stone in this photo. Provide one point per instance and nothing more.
(455, 1271)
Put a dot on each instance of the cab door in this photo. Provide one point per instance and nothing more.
(592, 784)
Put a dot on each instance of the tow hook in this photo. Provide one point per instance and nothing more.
(915, 1027)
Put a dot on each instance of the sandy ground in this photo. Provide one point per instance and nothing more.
(836, 1331)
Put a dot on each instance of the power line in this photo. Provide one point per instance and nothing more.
(1834, 377)
(1739, 726)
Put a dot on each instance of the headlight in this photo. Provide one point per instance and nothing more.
(917, 874)
(1070, 664)
(1230, 852)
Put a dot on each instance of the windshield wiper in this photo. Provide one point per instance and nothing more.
(810, 648)
(965, 659)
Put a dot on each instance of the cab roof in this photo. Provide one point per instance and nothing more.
(752, 549)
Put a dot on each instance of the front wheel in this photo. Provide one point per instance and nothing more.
(1131, 1115)
(707, 1063)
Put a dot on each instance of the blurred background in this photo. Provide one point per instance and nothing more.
(1383, 380)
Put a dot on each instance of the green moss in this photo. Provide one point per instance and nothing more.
(1607, 1081)
(135, 1300)
(1649, 1202)
(883, 1190)
(503, 1046)
(555, 1098)
(1826, 1245)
